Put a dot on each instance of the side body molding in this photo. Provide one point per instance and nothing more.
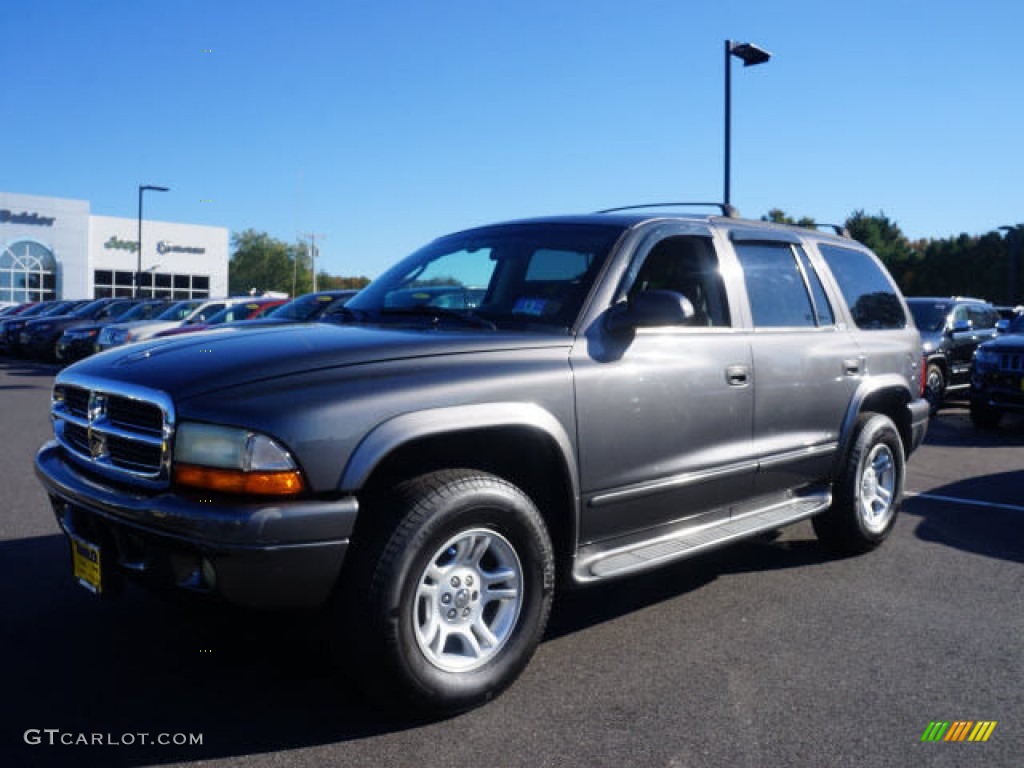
(391, 434)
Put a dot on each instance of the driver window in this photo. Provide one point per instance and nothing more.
(686, 265)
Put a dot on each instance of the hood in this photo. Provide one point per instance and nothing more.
(194, 364)
(1006, 341)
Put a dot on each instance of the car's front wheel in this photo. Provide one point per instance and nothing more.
(934, 386)
(868, 492)
(450, 601)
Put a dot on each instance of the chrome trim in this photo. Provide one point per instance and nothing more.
(99, 430)
(669, 483)
(798, 454)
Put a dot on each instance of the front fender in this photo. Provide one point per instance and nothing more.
(407, 427)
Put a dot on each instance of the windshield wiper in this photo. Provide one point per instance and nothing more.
(442, 312)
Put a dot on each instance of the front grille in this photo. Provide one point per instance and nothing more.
(118, 430)
(1011, 362)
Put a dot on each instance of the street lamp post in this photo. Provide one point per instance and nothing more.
(751, 55)
(1013, 236)
(138, 261)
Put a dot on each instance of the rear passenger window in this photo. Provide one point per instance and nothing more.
(779, 297)
(867, 288)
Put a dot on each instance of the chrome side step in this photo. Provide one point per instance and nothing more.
(688, 542)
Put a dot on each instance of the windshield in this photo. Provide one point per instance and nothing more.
(142, 311)
(178, 311)
(522, 276)
(234, 312)
(304, 308)
(929, 315)
(89, 310)
(1016, 325)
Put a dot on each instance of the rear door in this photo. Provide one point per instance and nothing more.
(806, 363)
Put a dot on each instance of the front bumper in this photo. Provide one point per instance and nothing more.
(1001, 390)
(267, 555)
(75, 348)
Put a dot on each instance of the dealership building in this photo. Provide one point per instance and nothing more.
(53, 248)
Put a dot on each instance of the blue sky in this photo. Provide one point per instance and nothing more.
(384, 124)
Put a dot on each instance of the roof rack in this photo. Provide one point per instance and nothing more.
(726, 209)
(839, 229)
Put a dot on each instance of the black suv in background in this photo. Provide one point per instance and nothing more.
(997, 378)
(951, 329)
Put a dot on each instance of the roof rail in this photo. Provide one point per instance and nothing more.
(839, 229)
(726, 209)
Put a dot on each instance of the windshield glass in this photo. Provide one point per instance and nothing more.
(88, 310)
(178, 311)
(521, 276)
(141, 311)
(304, 308)
(1016, 325)
(929, 315)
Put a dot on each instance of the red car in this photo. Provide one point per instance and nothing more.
(246, 310)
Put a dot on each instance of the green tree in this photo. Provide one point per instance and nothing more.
(326, 282)
(258, 263)
(883, 236)
(261, 263)
(778, 216)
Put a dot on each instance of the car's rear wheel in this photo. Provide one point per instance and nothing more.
(450, 600)
(869, 490)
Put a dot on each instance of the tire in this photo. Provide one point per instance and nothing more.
(934, 386)
(449, 601)
(869, 490)
(984, 416)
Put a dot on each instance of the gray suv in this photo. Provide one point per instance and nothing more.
(626, 390)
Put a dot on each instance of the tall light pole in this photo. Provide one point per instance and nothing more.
(751, 55)
(312, 236)
(1013, 236)
(138, 261)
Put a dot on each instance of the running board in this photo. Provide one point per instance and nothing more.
(652, 553)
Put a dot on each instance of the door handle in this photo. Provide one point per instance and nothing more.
(737, 375)
(852, 366)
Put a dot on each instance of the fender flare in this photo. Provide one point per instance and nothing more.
(389, 435)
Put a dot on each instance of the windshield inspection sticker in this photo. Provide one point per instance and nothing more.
(534, 307)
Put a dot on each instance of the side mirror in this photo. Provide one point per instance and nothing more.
(961, 325)
(1002, 326)
(650, 309)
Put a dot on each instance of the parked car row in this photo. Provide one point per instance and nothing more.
(952, 328)
(68, 331)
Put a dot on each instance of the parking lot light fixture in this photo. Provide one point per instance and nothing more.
(751, 55)
(138, 259)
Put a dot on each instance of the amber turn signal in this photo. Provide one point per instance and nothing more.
(285, 483)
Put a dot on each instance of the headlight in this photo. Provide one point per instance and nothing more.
(230, 460)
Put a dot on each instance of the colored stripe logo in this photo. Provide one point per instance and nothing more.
(959, 730)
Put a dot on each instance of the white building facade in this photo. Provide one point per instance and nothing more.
(53, 248)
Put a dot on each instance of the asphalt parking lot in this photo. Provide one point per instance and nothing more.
(769, 653)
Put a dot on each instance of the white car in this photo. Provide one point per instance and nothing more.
(181, 313)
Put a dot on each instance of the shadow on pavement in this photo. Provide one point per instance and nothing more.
(994, 529)
(250, 683)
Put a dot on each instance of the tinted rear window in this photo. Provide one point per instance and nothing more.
(866, 287)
